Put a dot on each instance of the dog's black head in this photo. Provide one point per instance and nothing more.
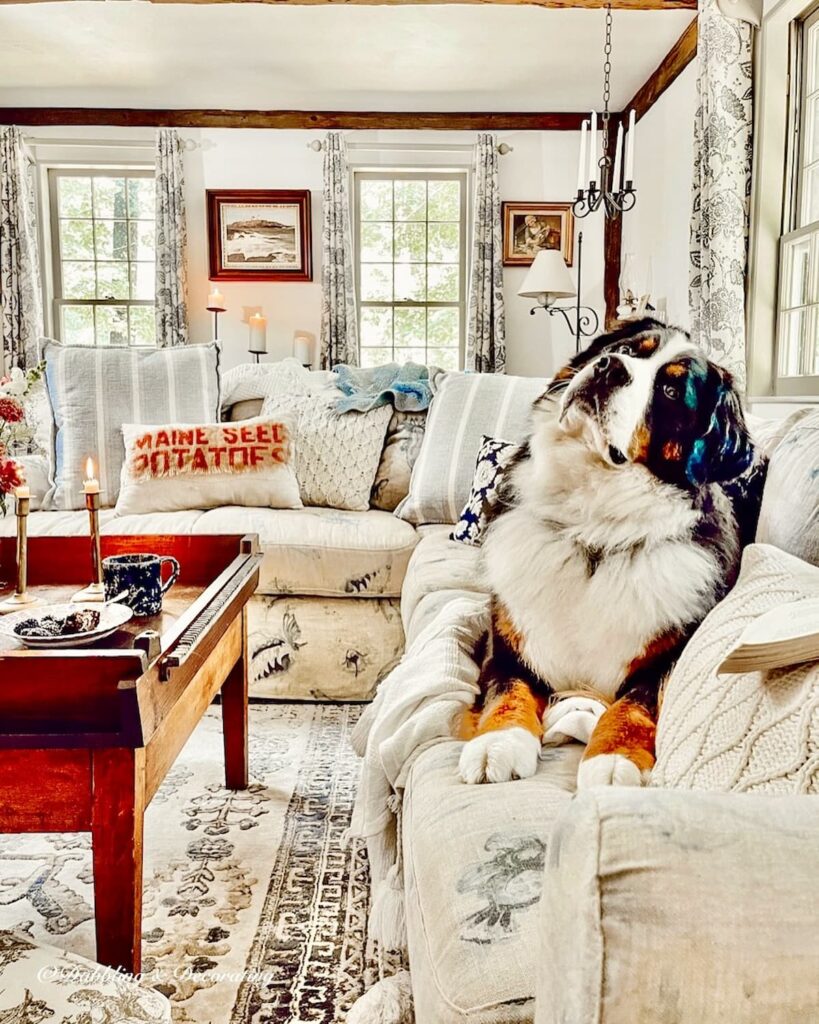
(645, 393)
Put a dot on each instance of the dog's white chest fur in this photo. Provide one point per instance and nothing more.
(594, 563)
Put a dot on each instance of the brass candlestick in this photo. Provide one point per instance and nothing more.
(96, 589)
(21, 597)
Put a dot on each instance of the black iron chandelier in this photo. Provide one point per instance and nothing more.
(601, 181)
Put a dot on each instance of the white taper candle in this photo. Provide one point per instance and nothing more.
(630, 148)
(581, 167)
(618, 159)
(593, 148)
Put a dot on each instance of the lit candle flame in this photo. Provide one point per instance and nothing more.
(89, 469)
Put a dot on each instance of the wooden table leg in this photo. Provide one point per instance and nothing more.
(234, 718)
(117, 812)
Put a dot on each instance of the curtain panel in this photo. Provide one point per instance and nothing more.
(723, 128)
(339, 316)
(486, 332)
(171, 241)
(21, 307)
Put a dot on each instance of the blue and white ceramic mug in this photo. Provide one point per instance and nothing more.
(141, 576)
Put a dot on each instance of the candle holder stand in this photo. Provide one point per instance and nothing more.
(21, 598)
(95, 591)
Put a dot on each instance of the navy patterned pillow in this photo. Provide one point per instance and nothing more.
(494, 456)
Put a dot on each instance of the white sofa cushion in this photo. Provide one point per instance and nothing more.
(664, 907)
(467, 406)
(95, 390)
(473, 874)
(440, 570)
(789, 517)
(749, 731)
(311, 551)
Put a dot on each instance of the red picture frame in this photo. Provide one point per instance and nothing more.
(259, 235)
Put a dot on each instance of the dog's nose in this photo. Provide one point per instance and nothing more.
(611, 371)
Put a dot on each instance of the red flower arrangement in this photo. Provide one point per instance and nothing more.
(12, 425)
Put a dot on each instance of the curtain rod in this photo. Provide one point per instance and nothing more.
(113, 143)
(455, 147)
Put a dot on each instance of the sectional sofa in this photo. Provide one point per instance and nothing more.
(657, 905)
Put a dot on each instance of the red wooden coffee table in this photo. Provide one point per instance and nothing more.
(88, 734)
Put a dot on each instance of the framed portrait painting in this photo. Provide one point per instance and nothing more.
(530, 227)
(259, 234)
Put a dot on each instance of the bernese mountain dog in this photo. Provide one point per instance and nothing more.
(621, 526)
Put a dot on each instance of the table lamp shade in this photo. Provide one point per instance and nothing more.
(548, 278)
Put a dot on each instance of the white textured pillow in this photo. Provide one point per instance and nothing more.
(466, 407)
(250, 381)
(750, 731)
(182, 466)
(789, 517)
(336, 454)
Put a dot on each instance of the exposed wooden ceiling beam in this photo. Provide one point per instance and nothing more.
(318, 119)
(617, 5)
(672, 65)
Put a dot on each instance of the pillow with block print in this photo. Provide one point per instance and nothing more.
(187, 466)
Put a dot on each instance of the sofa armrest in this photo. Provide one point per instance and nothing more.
(684, 907)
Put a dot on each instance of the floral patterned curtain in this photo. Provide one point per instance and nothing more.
(486, 336)
(171, 240)
(722, 187)
(339, 317)
(21, 308)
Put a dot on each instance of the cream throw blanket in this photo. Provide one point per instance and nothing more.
(414, 708)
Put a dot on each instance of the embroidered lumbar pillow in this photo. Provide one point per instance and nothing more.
(183, 466)
(494, 457)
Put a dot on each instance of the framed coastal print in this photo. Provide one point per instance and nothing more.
(259, 234)
(530, 227)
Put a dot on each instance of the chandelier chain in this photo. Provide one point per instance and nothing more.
(607, 81)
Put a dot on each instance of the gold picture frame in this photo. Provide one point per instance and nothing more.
(530, 227)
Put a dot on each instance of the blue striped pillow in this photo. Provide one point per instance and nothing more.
(94, 390)
(466, 407)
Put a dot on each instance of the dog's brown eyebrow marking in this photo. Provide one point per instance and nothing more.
(650, 344)
(676, 370)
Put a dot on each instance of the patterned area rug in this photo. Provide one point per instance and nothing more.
(253, 911)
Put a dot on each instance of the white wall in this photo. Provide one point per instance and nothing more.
(541, 167)
(657, 227)
(236, 158)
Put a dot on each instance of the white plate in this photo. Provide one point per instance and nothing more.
(112, 617)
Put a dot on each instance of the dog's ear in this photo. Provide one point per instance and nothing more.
(724, 451)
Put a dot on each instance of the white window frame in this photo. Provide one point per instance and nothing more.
(56, 299)
(778, 133)
(417, 174)
(803, 381)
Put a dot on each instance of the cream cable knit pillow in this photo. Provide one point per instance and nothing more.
(336, 454)
(748, 732)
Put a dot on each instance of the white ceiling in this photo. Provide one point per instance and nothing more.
(262, 56)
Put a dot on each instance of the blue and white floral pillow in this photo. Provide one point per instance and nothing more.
(494, 456)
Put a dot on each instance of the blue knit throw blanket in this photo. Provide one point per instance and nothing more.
(408, 387)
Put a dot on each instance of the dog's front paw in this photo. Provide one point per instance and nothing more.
(608, 770)
(500, 756)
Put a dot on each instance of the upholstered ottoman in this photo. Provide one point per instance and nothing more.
(39, 983)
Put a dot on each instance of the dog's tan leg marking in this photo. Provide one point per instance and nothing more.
(517, 705)
(621, 748)
(506, 743)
